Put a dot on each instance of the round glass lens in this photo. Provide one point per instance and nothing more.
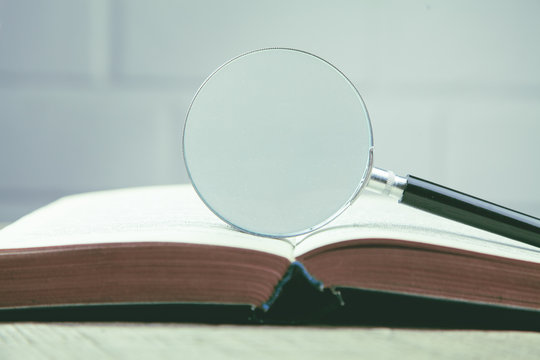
(277, 142)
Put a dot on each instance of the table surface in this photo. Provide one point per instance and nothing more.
(163, 341)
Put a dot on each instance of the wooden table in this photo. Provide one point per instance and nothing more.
(179, 341)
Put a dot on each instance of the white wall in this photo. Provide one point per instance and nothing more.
(93, 94)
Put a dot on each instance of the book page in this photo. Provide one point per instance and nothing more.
(161, 213)
(376, 216)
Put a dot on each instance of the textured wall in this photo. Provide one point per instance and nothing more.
(93, 94)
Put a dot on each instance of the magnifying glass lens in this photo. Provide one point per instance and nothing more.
(277, 142)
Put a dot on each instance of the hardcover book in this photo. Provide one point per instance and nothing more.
(144, 252)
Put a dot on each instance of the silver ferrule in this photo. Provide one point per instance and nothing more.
(385, 182)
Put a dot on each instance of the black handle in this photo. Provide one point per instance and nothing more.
(467, 209)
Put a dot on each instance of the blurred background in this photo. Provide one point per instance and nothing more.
(93, 94)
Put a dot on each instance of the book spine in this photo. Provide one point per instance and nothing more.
(296, 267)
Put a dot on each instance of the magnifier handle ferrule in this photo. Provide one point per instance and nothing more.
(467, 209)
(385, 182)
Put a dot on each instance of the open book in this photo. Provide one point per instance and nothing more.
(161, 245)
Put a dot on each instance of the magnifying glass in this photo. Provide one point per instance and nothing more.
(278, 142)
